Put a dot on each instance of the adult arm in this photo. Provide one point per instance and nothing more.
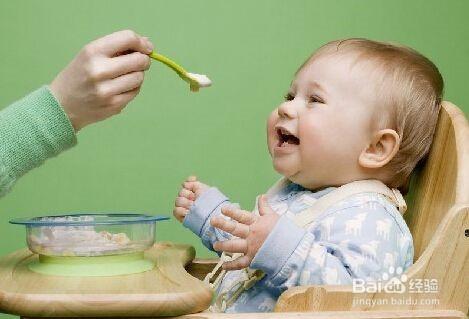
(32, 129)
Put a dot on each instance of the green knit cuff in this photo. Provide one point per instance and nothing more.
(32, 130)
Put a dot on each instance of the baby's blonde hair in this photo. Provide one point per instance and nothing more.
(409, 87)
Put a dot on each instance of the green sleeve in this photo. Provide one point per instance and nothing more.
(31, 130)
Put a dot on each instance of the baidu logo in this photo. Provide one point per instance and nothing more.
(392, 281)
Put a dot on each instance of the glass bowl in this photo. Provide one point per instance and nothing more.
(89, 235)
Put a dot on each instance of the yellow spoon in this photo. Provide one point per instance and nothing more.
(196, 81)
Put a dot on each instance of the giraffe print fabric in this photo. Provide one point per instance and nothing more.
(359, 237)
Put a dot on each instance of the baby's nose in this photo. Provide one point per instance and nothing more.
(287, 110)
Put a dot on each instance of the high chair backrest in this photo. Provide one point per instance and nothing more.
(443, 180)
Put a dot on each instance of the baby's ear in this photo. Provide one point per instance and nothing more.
(381, 150)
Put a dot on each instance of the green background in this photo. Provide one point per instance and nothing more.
(250, 49)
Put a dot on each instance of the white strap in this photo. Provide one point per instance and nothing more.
(223, 258)
(364, 186)
(249, 278)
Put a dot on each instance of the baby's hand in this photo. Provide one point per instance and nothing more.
(190, 191)
(105, 75)
(251, 232)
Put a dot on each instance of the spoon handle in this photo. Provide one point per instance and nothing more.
(173, 65)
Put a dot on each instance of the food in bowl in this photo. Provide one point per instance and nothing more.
(89, 234)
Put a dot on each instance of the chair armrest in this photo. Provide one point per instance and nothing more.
(316, 298)
(421, 314)
(199, 268)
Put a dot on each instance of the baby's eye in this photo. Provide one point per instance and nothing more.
(315, 99)
(288, 97)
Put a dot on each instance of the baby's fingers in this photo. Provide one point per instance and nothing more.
(183, 202)
(238, 263)
(191, 178)
(187, 194)
(180, 213)
(190, 186)
(236, 245)
(239, 215)
(230, 226)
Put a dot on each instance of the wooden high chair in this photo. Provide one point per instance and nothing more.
(438, 217)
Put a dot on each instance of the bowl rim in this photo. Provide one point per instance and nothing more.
(125, 218)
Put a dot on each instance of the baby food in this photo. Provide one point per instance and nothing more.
(78, 240)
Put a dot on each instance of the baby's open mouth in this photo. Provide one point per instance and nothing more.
(285, 138)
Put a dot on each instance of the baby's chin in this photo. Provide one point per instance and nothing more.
(285, 169)
(293, 174)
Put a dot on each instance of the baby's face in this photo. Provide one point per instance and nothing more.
(317, 134)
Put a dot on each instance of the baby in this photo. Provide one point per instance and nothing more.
(357, 119)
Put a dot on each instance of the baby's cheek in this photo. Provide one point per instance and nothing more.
(271, 121)
(312, 136)
(317, 145)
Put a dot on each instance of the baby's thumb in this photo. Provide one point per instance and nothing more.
(192, 178)
(263, 206)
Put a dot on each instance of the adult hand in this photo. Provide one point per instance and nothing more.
(105, 75)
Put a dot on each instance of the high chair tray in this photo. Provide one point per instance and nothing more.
(166, 290)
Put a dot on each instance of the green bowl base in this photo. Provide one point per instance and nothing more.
(95, 266)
